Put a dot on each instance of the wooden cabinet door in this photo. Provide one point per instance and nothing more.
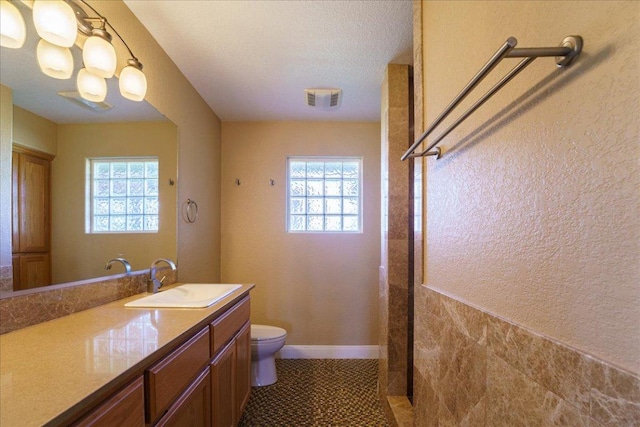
(33, 203)
(15, 260)
(193, 407)
(35, 271)
(30, 225)
(15, 202)
(223, 385)
(243, 369)
(126, 408)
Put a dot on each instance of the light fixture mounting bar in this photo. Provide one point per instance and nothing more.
(87, 29)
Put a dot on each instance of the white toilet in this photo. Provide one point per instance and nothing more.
(265, 342)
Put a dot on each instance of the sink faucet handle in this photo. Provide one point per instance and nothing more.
(154, 284)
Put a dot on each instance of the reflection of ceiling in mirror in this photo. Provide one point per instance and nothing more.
(36, 92)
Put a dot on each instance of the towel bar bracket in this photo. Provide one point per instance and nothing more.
(435, 152)
(575, 44)
(570, 47)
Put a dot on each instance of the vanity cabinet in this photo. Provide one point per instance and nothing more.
(203, 382)
(122, 366)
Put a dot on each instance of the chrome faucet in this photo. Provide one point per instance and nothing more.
(127, 266)
(154, 284)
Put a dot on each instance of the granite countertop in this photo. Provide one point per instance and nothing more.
(53, 371)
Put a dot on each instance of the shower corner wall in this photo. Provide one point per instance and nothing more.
(397, 234)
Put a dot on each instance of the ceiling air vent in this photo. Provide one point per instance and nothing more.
(323, 99)
(75, 97)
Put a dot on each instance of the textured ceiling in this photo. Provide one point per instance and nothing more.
(252, 60)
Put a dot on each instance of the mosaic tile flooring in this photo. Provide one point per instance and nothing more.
(313, 392)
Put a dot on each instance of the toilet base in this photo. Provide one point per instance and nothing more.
(263, 372)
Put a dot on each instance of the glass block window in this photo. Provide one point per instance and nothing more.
(123, 195)
(324, 194)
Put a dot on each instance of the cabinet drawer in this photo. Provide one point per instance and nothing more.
(226, 326)
(168, 378)
(126, 408)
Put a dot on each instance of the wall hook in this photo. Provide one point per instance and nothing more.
(272, 182)
(237, 181)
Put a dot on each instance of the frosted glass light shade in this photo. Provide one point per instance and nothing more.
(133, 83)
(55, 22)
(54, 61)
(91, 87)
(99, 57)
(12, 28)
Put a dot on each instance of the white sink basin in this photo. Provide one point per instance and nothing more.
(190, 295)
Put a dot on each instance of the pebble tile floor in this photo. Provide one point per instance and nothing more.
(318, 392)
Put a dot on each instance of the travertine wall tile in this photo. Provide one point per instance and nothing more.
(514, 399)
(615, 396)
(477, 415)
(475, 369)
(445, 417)
(396, 383)
(398, 208)
(402, 411)
(383, 352)
(396, 230)
(558, 368)
(425, 408)
(6, 278)
(397, 258)
(461, 384)
(467, 320)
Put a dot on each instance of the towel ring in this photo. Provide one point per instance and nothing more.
(191, 211)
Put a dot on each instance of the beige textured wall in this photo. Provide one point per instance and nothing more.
(532, 214)
(6, 118)
(322, 288)
(198, 144)
(77, 255)
(33, 131)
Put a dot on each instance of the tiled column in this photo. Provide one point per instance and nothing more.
(397, 231)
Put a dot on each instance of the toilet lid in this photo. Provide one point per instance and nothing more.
(264, 332)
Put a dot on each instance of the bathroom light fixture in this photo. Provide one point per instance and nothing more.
(133, 83)
(55, 61)
(98, 54)
(91, 87)
(58, 22)
(13, 31)
(55, 22)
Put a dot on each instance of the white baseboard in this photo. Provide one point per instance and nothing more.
(328, 352)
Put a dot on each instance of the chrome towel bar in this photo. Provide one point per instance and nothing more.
(570, 47)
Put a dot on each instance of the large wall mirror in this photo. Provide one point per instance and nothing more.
(68, 134)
